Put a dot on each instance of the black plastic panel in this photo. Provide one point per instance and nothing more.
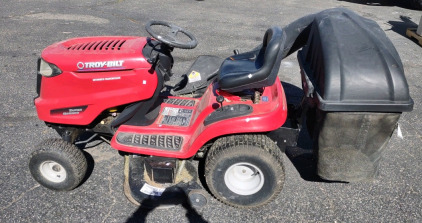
(166, 142)
(39, 78)
(199, 76)
(229, 111)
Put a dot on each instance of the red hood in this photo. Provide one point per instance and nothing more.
(90, 54)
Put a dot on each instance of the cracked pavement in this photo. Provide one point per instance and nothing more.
(26, 27)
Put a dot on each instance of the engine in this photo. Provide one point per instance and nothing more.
(78, 79)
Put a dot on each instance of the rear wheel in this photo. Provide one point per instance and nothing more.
(244, 170)
(58, 165)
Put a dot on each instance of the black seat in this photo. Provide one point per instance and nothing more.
(255, 69)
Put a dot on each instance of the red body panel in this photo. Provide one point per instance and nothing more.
(98, 73)
(266, 116)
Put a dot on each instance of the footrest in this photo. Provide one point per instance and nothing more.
(165, 142)
(199, 76)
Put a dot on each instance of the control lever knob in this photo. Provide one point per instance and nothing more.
(220, 99)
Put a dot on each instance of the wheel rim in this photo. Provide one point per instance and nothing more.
(244, 178)
(53, 171)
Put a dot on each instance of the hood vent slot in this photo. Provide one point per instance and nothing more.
(98, 45)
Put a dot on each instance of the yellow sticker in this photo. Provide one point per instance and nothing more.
(194, 76)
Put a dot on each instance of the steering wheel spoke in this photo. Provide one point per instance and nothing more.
(174, 30)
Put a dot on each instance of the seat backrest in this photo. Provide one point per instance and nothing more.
(255, 69)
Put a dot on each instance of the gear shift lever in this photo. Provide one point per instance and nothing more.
(220, 99)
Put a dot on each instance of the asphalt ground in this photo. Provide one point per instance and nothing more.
(26, 27)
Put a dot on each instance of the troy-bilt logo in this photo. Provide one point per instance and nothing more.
(100, 65)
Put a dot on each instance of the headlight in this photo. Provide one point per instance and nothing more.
(47, 69)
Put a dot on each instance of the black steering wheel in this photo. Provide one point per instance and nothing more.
(171, 38)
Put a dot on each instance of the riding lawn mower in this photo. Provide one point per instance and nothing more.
(223, 110)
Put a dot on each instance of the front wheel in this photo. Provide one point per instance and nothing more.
(244, 170)
(58, 165)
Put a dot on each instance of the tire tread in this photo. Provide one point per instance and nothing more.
(75, 156)
(221, 147)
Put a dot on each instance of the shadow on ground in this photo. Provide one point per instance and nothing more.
(148, 205)
(402, 4)
(401, 26)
